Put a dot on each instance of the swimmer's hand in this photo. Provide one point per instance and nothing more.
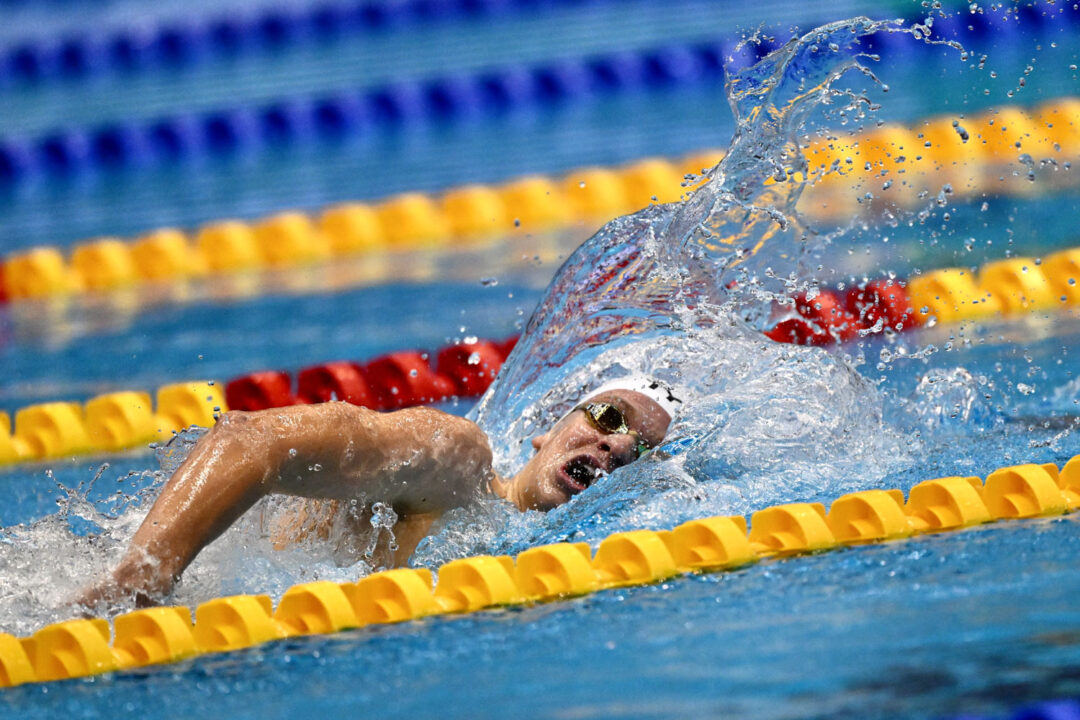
(420, 461)
(129, 583)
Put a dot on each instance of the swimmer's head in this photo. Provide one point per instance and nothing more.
(612, 428)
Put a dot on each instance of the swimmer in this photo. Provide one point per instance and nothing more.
(420, 461)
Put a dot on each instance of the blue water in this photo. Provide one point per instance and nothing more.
(76, 359)
(972, 622)
(357, 60)
(432, 156)
(976, 621)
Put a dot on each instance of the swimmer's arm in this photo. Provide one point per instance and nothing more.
(419, 460)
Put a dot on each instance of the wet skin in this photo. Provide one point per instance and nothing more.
(574, 452)
(420, 461)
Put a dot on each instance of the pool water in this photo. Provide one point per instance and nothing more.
(977, 621)
(972, 622)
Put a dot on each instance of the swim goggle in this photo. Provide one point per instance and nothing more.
(610, 420)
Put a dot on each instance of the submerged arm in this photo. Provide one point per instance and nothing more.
(419, 460)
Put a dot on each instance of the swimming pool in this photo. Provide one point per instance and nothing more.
(977, 621)
(899, 630)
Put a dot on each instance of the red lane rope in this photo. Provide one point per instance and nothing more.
(389, 382)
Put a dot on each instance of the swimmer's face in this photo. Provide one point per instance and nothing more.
(571, 455)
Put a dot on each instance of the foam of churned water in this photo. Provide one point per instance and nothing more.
(675, 292)
(675, 289)
(44, 564)
(678, 292)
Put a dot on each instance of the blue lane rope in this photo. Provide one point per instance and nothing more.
(177, 44)
(1047, 710)
(173, 44)
(288, 121)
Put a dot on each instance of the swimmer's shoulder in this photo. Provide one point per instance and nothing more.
(450, 458)
(450, 433)
(414, 427)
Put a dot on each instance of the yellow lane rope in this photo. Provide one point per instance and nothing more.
(127, 419)
(78, 648)
(898, 164)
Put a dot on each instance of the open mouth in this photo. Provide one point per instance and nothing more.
(580, 473)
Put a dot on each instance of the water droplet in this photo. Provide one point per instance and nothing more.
(292, 452)
(474, 359)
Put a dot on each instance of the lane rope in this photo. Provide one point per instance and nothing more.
(286, 121)
(898, 162)
(34, 62)
(172, 44)
(127, 419)
(1065, 709)
(547, 573)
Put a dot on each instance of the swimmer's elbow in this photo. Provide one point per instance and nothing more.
(237, 423)
(249, 431)
(280, 435)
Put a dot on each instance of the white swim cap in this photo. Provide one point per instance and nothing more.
(661, 393)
